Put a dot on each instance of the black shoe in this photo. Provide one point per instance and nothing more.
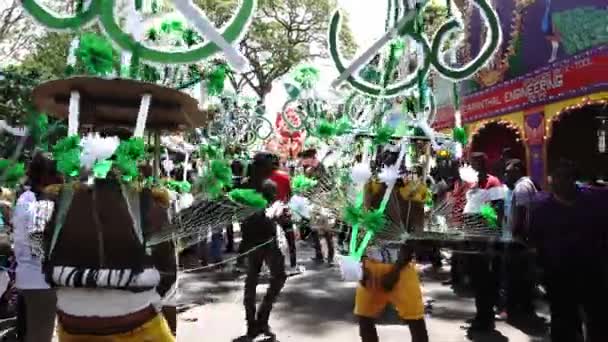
(267, 332)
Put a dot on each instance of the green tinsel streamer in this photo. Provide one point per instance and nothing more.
(306, 76)
(248, 197)
(489, 214)
(96, 54)
(179, 186)
(374, 221)
(459, 134)
(216, 78)
(344, 126)
(301, 184)
(383, 135)
(217, 178)
(325, 129)
(66, 153)
(127, 155)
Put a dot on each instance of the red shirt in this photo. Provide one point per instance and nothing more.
(490, 182)
(281, 179)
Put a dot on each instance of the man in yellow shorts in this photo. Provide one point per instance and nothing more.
(389, 282)
(389, 276)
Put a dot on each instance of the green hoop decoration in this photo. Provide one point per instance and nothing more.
(431, 54)
(103, 11)
(364, 86)
(492, 43)
(82, 19)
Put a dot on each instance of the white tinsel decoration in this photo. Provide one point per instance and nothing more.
(300, 206)
(168, 166)
(350, 269)
(468, 174)
(275, 210)
(96, 148)
(361, 173)
(389, 174)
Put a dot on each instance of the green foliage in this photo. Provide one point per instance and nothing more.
(11, 173)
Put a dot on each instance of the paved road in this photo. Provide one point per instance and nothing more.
(316, 306)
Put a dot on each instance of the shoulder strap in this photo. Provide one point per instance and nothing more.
(65, 201)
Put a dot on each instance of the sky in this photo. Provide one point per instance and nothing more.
(366, 23)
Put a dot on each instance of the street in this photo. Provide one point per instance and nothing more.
(317, 306)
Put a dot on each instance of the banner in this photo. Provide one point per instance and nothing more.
(580, 75)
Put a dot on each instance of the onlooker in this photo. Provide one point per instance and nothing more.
(519, 268)
(500, 165)
(568, 228)
(484, 268)
(38, 298)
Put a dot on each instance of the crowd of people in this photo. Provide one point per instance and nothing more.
(557, 244)
(556, 239)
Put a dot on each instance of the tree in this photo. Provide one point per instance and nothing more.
(283, 34)
(16, 34)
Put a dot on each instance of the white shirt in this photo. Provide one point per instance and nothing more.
(28, 275)
(521, 196)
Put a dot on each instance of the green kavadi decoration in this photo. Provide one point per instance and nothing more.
(128, 153)
(325, 129)
(489, 214)
(459, 134)
(301, 183)
(373, 221)
(96, 54)
(248, 197)
(103, 12)
(383, 135)
(66, 153)
(11, 172)
(102, 168)
(179, 186)
(215, 79)
(217, 177)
